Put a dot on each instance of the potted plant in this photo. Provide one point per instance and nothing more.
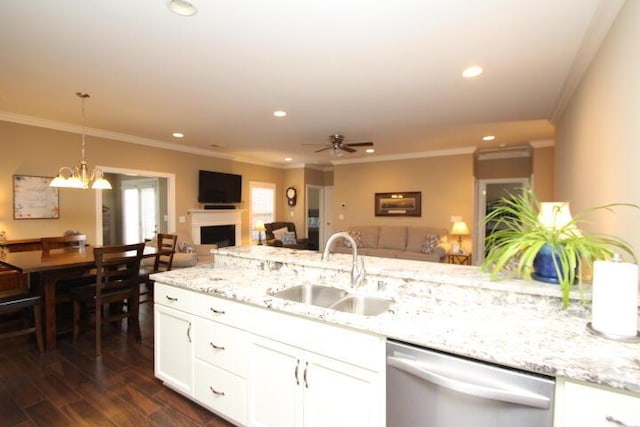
(543, 241)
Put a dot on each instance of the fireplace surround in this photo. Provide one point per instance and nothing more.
(216, 223)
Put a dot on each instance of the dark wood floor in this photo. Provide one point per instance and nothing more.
(70, 387)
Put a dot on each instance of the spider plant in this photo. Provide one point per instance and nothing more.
(518, 234)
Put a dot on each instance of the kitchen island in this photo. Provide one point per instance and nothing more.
(456, 309)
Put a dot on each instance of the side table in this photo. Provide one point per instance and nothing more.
(460, 259)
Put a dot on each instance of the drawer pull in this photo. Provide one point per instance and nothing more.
(216, 392)
(617, 422)
(214, 311)
(216, 347)
(189, 332)
(171, 298)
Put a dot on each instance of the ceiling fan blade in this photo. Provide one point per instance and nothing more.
(316, 144)
(360, 144)
(346, 148)
(322, 149)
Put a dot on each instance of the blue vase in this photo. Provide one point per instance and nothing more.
(543, 266)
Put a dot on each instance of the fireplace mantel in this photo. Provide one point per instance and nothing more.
(208, 217)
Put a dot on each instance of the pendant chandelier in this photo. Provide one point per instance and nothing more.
(79, 175)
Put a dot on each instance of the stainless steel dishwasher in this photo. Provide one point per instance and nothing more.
(426, 388)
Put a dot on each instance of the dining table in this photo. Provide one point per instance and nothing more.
(57, 265)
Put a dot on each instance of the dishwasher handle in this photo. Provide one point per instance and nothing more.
(521, 397)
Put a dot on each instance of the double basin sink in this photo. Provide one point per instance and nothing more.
(335, 299)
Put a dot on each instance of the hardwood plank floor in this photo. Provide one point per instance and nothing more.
(70, 387)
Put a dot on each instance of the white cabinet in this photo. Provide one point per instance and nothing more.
(173, 348)
(263, 368)
(581, 405)
(288, 386)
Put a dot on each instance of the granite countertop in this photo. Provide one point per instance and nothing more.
(452, 308)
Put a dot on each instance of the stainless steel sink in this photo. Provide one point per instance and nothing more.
(362, 304)
(319, 295)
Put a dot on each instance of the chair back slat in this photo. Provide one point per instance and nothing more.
(117, 266)
(166, 248)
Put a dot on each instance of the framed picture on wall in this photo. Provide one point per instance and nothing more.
(34, 199)
(398, 204)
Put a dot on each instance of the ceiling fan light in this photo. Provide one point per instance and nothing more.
(182, 7)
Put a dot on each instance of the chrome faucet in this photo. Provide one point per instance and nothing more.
(357, 271)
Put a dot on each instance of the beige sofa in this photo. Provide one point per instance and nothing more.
(390, 241)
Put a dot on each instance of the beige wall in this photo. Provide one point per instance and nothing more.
(446, 184)
(292, 178)
(598, 136)
(543, 164)
(28, 150)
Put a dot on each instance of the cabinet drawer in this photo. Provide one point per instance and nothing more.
(220, 345)
(222, 310)
(220, 391)
(170, 296)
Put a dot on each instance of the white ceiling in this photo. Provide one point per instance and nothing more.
(387, 71)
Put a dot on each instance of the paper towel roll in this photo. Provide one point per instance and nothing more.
(614, 307)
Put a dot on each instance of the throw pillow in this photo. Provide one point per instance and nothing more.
(429, 243)
(289, 238)
(279, 233)
(187, 248)
(357, 237)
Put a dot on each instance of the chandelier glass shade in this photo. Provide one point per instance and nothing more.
(78, 176)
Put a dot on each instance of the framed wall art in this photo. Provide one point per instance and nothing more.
(34, 199)
(398, 204)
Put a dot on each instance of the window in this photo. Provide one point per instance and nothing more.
(263, 205)
(140, 209)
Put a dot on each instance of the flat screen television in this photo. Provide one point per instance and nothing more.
(218, 187)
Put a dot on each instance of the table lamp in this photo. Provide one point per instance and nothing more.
(260, 228)
(460, 229)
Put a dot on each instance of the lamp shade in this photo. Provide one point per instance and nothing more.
(259, 225)
(557, 216)
(459, 228)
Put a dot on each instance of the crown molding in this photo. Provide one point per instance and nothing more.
(542, 143)
(601, 22)
(405, 156)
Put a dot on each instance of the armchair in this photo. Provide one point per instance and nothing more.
(277, 238)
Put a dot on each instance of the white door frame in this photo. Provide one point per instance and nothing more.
(480, 211)
(171, 197)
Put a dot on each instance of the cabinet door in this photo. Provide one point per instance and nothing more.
(173, 349)
(593, 406)
(274, 384)
(339, 394)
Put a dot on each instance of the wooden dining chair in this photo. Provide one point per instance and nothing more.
(15, 296)
(166, 247)
(117, 282)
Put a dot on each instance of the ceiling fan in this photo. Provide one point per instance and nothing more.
(337, 145)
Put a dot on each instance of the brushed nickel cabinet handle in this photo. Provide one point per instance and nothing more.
(295, 374)
(306, 368)
(171, 298)
(617, 422)
(189, 332)
(214, 391)
(216, 347)
(214, 311)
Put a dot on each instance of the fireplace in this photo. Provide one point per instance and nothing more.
(221, 235)
(220, 226)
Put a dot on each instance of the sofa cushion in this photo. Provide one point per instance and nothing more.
(279, 233)
(369, 234)
(415, 236)
(392, 237)
(419, 256)
(386, 253)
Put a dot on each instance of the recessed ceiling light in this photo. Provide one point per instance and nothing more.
(182, 7)
(178, 135)
(488, 138)
(370, 150)
(280, 113)
(287, 159)
(473, 71)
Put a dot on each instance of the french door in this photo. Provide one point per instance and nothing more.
(140, 209)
